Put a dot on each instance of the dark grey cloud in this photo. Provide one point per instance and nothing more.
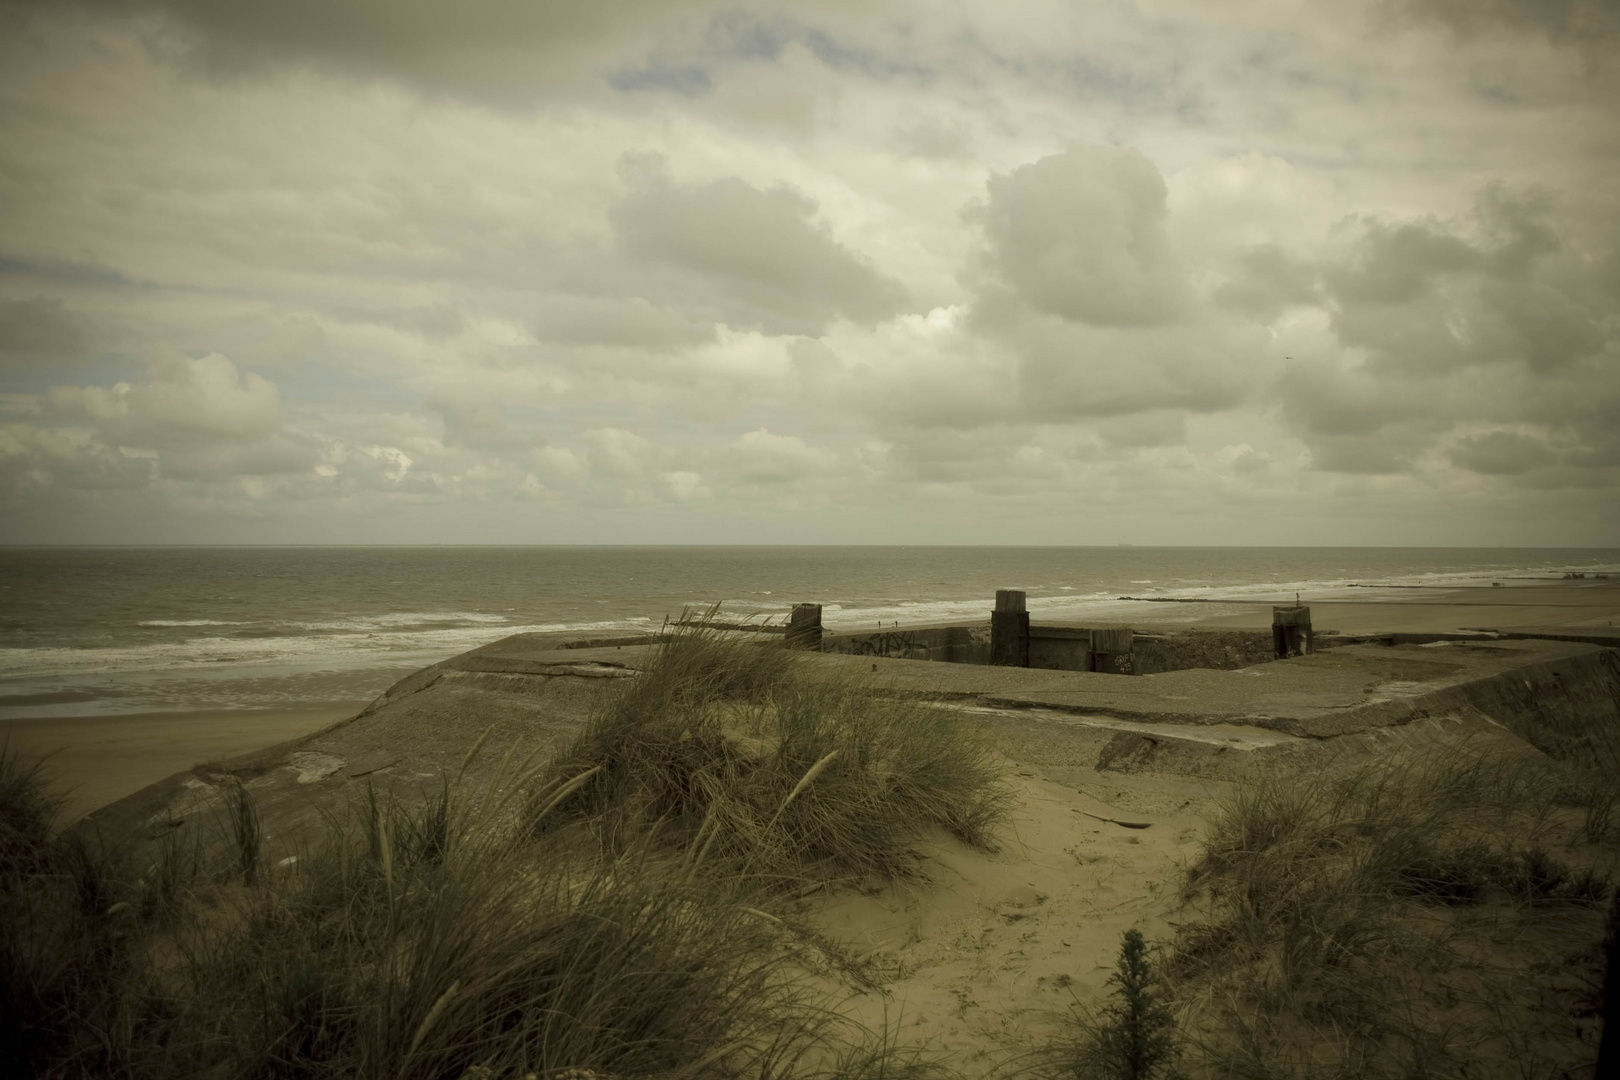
(618, 323)
(1428, 295)
(1564, 22)
(687, 80)
(1081, 235)
(1393, 451)
(737, 33)
(1502, 453)
(435, 321)
(484, 47)
(1267, 280)
(757, 255)
(1326, 401)
(1491, 317)
(480, 425)
(1154, 427)
(45, 466)
(1068, 370)
(506, 51)
(43, 329)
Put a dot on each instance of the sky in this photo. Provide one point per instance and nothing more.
(921, 271)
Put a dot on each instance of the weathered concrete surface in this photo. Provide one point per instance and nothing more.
(406, 743)
(1317, 696)
(1560, 697)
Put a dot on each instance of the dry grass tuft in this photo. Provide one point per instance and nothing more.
(723, 749)
(1382, 923)
(414, 941)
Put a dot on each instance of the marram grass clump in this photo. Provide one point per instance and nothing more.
(1380, 921)
(429, 942)
(731, 752)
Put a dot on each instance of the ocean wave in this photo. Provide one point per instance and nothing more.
(353, 624)
(165, 623)
(288, 653)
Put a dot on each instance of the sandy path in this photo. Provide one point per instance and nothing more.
(989, 955)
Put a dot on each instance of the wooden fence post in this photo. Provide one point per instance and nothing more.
(1291, 631)
(1009, 630)
(804, 627)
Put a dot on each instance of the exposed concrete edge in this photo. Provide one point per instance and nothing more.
(480, 659)
(1607, 637)
(1467, 692)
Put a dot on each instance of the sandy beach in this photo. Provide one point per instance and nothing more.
(1578, 604)
(96, 760)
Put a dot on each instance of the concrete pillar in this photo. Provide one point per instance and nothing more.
(1111, 651)
(1009, 630)
(804, 627)
(1291, 631)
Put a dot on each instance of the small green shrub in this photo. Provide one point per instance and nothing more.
(1133, 1037)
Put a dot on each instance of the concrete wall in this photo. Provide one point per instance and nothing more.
(1063, 648)
(1219, 650)
(1066, 649)
(949, 644)
(1568, 708)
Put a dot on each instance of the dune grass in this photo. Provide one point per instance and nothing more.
(421, 939)
(728, 752)
(1403, 919)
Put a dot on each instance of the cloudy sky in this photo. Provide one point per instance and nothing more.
(923, 271)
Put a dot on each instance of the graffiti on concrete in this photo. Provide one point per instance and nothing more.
(890, 643)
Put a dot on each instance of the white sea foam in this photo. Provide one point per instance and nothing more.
(362, 643)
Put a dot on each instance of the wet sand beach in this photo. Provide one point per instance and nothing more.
(96, 760)
(1573, 605)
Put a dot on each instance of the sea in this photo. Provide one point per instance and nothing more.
(105, 631)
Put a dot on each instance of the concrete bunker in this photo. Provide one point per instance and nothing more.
(1012, 640)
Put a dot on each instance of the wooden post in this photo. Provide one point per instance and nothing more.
(1111, 651)
(1009, 630)
(1291, 631)
(804, 627)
